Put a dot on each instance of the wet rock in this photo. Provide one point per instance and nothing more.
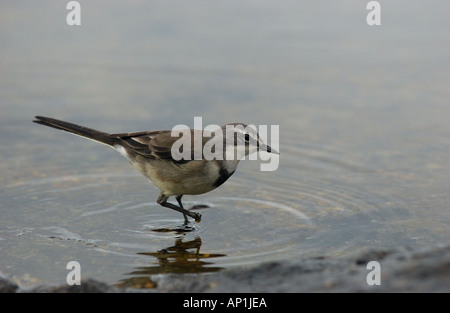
(7, 286)
(402, 270)
(87, 286)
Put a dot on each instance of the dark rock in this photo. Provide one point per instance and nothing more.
(87, 286)
(402, 270)
(7, 286)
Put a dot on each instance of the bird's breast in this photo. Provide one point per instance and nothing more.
(193, 177)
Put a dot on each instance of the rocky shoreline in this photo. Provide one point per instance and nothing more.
(400, 270)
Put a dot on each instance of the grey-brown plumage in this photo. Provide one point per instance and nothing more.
(150, 152)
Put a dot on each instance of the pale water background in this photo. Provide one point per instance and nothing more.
(364, 115)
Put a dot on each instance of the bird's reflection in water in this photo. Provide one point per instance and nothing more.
(183, 257)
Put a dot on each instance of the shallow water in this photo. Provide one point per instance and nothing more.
(364, 134)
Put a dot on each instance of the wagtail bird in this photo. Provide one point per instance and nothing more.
(150, 152)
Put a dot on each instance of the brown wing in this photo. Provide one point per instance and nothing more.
(155, 144)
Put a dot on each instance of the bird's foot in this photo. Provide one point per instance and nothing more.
(197, 217)
(185, 228)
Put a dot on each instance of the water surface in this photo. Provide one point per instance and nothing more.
(364, 133)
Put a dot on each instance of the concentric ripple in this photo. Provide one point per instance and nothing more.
(316, 204)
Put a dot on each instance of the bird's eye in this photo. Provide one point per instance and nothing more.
(247, 137)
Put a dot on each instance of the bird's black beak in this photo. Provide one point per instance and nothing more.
(268, 149)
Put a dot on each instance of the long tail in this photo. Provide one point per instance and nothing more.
(86, 132)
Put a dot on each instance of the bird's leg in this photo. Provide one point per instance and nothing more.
(181, 206)
(162, 200)
(194, 207)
